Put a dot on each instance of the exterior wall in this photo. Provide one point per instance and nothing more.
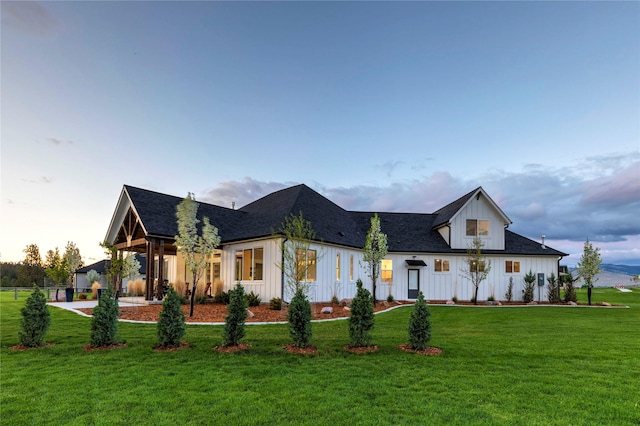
(479, 209)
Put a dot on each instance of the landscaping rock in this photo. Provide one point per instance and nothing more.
(385, 303)
(250, 314)
(327, 310)
(450, 302)
(532, 303)
(346, 308)
(398, 302)
(345, 302)
(572, 303)
(498, 303)
(606, 304)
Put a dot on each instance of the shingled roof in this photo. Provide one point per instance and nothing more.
(406, 232)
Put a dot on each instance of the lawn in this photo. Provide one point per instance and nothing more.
(500, 365)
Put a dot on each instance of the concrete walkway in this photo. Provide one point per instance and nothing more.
(82, 304)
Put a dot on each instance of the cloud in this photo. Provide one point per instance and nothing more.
(29, 17)
(597, 198)
(59, 141)
(41, 179)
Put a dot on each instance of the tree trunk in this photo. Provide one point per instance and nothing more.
(475, 298)
(193, 296)
(589, 293)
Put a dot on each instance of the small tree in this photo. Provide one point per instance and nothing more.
(93, 276)
(477, 267)
(171, 325)
(104, 325)
(420, 324)
(569, 290)
(236, 315)
(509, 294)
(361, 320)
(529, 287)
(296, 264)
(553, 289)
(589, 266)
(35, 319)
(196, 249)
(115, 266)
(57, 269)
(375, 249)
(299, 318)
(72, 261)
(130, 267)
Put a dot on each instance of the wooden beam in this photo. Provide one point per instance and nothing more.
(134, 243)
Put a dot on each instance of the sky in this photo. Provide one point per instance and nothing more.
(379, 106)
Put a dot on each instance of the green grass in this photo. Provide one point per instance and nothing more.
(525, 365)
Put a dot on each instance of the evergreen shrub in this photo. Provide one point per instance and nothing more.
(361, 319)
(236, 315)
(35, 319)
(275, 304)
(420, 324)
(104, 325)
(171, 325)
(529, 287)
(253, 299)
(299, 318)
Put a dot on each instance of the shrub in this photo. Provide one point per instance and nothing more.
(509, 294)
(218, 286)
(275, 304)
(335, 300)
(222, 298)
(236, 314)
(553, 290)
(253, 299)
(136, 287)
(390, 298)
(299, 318)
(569, 290)
(180, 287)
(94, 289)
(171, 325)
(420, 324)
(529, 287)
(93, 276)
(361, 318)
(104, 325)
(491, 299)
(82, 296)
(35, 319)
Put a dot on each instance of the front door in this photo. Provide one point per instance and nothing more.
(414, 283)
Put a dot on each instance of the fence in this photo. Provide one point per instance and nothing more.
(48, 290)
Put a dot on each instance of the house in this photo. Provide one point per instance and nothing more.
(83, 284)
(427, 251)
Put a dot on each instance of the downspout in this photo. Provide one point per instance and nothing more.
(282, 269)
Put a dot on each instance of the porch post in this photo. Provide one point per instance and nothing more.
(151, 261)
(160, 286)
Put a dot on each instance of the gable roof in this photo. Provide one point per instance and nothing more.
(406, 232)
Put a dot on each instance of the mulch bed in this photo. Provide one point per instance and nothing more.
(26, 348)
(216, 312)
(182, 345)
(429, 350)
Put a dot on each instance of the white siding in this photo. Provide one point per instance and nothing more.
(480, 209)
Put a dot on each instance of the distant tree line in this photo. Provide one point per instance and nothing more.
(56, 269)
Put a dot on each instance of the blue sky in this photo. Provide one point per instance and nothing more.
(379, 106)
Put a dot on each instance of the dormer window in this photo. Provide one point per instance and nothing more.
(477, 228)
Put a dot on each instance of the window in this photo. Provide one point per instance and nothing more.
(306, 260)
(476, 266)
(249, 264)
(351, 268)
(477, 227)
(338, 267)
(442, 265)
(512, 267)
(386, 274)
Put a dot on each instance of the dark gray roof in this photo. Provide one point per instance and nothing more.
(406, 232)
(100, 266)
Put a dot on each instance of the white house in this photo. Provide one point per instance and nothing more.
(427, 251)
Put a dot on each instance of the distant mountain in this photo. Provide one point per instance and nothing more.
(613, 275)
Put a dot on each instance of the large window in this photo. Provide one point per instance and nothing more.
(512, 267)
(442, 265)
(386, 272)
(249, 264)
(306, 260)
(338, 267)
(477, 227)
(476, 266)
(351, 268)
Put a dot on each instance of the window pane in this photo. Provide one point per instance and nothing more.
(338, 267)
(508, 267)
(438, 266)
(445, 266)
(258, 255)
(471, 227)
(387, 270)
(483, 227)
(516, 267)
(351, 268)
(239, 265)
(311, 265)
(247, 263)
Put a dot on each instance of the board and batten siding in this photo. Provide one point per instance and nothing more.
(479, 209)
